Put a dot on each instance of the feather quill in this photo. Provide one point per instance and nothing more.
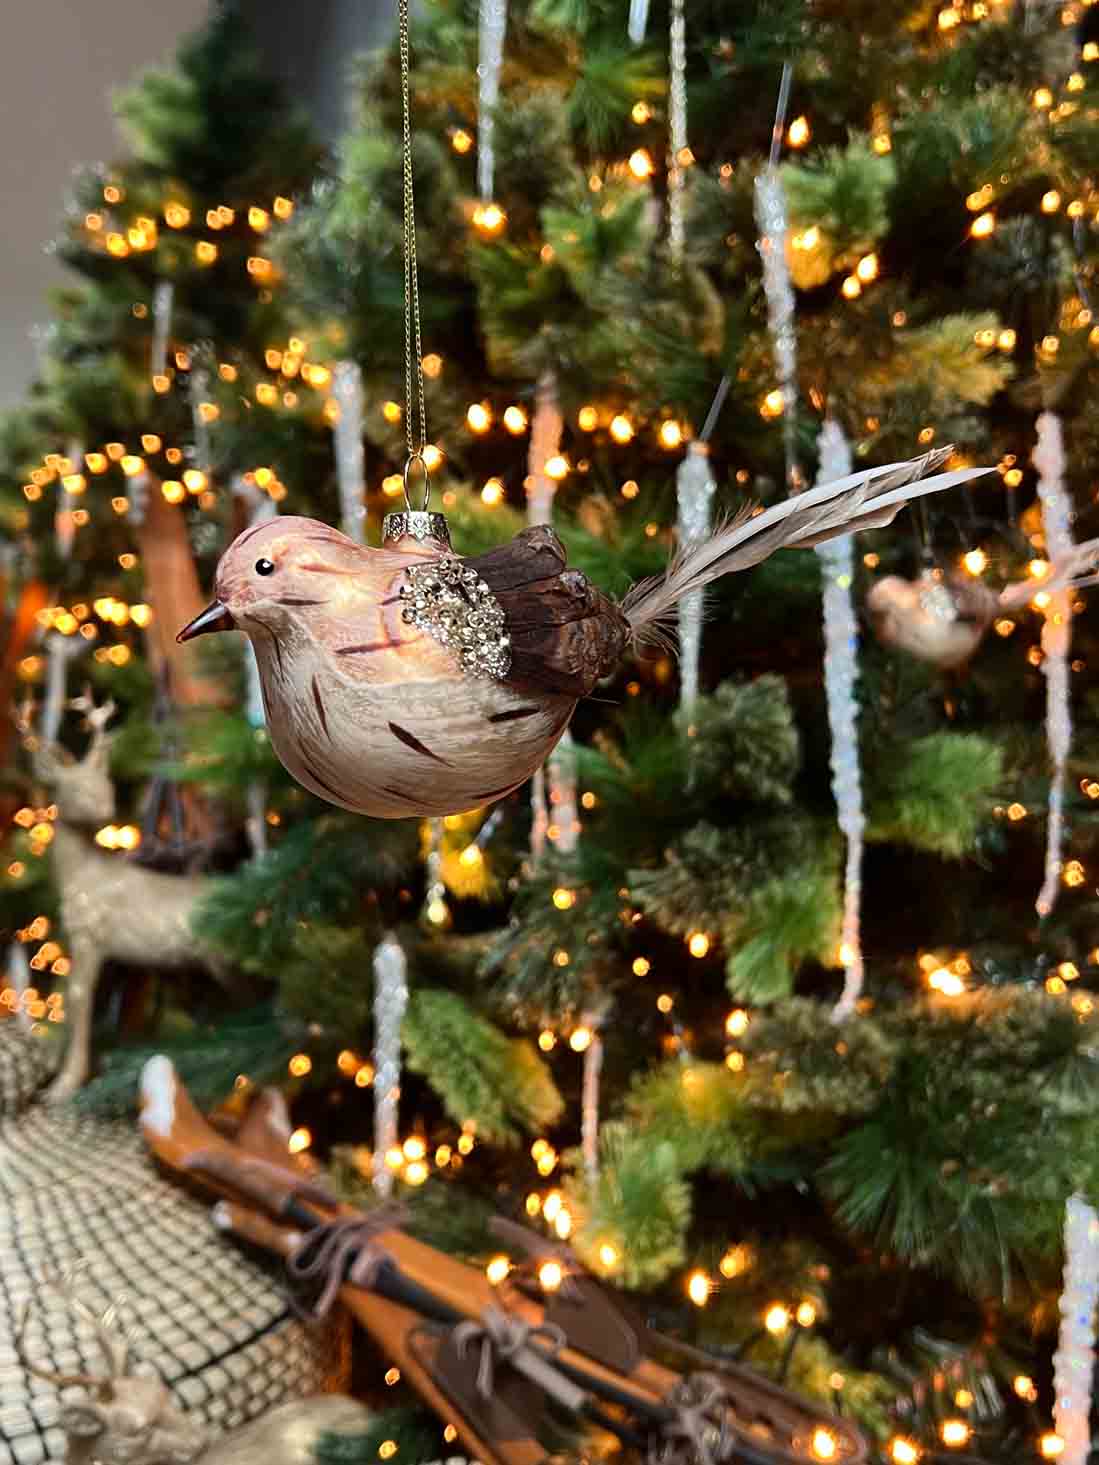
(863, 500)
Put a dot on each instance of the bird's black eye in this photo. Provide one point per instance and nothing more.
(264, 567)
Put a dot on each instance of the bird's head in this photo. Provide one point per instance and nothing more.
(275, 571)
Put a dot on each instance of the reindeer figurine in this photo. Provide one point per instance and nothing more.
(109, 906)
(129, 1417)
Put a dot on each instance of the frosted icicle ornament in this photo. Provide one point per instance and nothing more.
(390, 1001)
(1074, 1361)
(347, 388)
(841, 643)
(163, 299)
(638, 22)
(694, 492)
(771, 221)
(492, 28)
(1049, 459)
(553, 791)
(677, 132)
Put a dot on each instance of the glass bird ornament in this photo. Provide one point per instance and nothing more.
(408, 681)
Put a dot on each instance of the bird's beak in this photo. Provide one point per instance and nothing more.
(215, 617)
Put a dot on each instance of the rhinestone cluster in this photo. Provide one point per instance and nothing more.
(453, 604)
(937, 600)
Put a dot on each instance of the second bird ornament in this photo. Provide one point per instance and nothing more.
(408, 681)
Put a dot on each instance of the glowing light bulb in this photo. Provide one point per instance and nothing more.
(471, 856)
(1051, 201)
(1051, 1445)
(699, 1287)
(433, 456)
(736, 1261)
(416, 1173)
(478, 417)
(300, 1140)
(461, 141)
(550, 1276)
(943, 980)
(823, 1444)
(1024, 1386)
(563, 898)
(975, 562)
(955, 1433)
(300, 1065)
(580, 1039)
(799, 132)
(851, 288)
(903, 1451)
(557, 467)
(773, 404)
(867, 268)
(983, 225)
(670, 434)
(621, 428)
(489, 219)
(547, 1041)
(736, 1024)
(608, 1255)
(640, 113)
(776, 1319)
(806, 1314)
(492, 493)
(641, 164)
(698, 944)
(414, 1148)
(498, 1269)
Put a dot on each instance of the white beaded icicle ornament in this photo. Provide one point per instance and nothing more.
(553, 792)
(1074, 1361)
(589, 1101)
(163, 300)
(347, 388)
(1049, 459)
(390, 1001)
(694, 493)
(492, 27)
(64, 525)
(678, 155)
(771, 221)
(841, 642)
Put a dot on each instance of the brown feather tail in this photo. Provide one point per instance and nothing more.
(864, 500)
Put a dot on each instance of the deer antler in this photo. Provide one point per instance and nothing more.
(22, 715)
(103, 1385)
(95, 717)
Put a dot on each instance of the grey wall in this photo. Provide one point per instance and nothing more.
(58, 63)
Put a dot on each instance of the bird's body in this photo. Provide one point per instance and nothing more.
(373, 714)
(403, 681)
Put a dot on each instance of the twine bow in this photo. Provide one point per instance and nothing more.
(341, 1251)
(503, 1338)
(700, 1431)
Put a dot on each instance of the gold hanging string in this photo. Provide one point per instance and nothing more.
(415, 410)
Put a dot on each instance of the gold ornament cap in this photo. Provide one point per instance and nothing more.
(422, 526)
(419, 524)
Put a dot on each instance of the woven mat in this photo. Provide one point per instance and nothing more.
(80, 1192)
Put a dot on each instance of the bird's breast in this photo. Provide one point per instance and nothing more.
(421, 739)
